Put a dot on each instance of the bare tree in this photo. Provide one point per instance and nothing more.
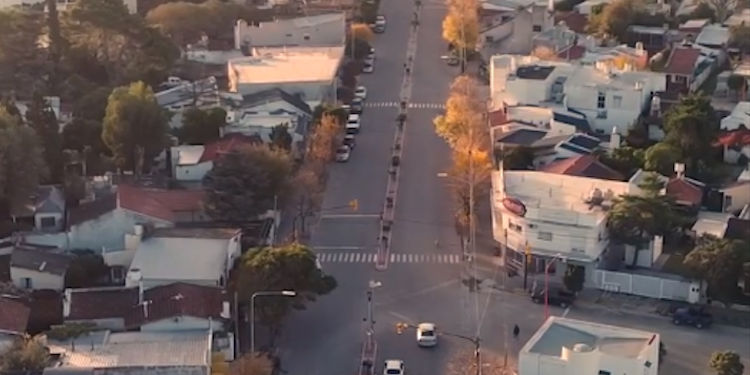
(464, 363)
(722, 8)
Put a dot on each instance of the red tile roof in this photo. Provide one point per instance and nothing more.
(497, 117)
(46, 310)
(682, 61)
(14, 315)
(574, 20)
(684, 192)
(583, 166)
(162, 302)
(737, 137)
(230, 142)
(159, 203)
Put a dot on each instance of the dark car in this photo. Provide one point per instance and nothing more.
(350, 141)
(557, 296)
(356, 106)
(696, 317)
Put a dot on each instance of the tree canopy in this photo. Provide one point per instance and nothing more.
(290, 267)
(692, 127)
(740, 37)
(720, 263)
(461, 24)
(25, 354)
(246, 183)
(135, 126)
(43, 120)
(661, 158)
(21, 56)
(22, 163)
(202, 126)
(280, 137)
(726, 363)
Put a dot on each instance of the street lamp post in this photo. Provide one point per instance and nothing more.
(370, 319)
(265, 293)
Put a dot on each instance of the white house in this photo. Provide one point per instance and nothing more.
(736, 145)
(607, 98)
(37, 268)
(510, 25)
(200, 256)
(562, 211)
(324, 30)
(190, 163)
(740, 115)
(172, 307)
(563, 346)
(280, 68)
(202, 94)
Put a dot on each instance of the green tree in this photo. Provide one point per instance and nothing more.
(21, 163)
(702, 11)
(625, 159)
(692, 127)
(56, 45)
(120, 42)
(615, 18)
(25, 354)
(135, 126)
(86, 270)
(22, 60)
(42, 119)
(290, 267)
(246, 183)
(726, 363)
(280, 137)
(574, 278)
(70, 331)
(518, 158)
(661, 158)
(719, 263)
(182, 21)
(202, 126)
(738, 84)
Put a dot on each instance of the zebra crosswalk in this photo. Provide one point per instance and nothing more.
(357, 257)
(410, 105)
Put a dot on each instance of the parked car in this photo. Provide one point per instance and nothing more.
(557, 296)
(379, 26)
(360, 92)
(393, 367)
(350, 141)
(696, 317)
(343, 153)
(352, 124)
(426, 334)
(368, 67)
(356, 106)
(369, 60)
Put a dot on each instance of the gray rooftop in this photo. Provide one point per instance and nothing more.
(40, 260)
(534, 72)
(522, 137)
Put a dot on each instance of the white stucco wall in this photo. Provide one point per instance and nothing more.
(108, 231)
(39, 280)
(182, 323)
(194, 172)
(58, 221)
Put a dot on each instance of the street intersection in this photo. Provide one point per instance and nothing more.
(426, 276)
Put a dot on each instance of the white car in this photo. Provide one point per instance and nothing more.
(393, 367)
(426, 334)
(368, 68)
(369, 60)
(343, 153)
(360, 92)
(352, 124)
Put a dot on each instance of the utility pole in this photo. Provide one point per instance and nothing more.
(526, 261)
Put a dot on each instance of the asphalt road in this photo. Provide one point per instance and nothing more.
(423, 281)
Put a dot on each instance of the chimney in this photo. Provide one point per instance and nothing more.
(225, 310)
(679, 170)
(145, 308)
(140, 291)
(133, 278)
(67, 301)
(614, 139)
(655, 106)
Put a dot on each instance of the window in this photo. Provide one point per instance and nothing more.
(515, 227)
(577, 250)
(306, 37)
(489, 39)
(537, 28)
(617, 101)
(47, 222)
(545, 236)
(27, 284)
(602, 372)
(601, 100)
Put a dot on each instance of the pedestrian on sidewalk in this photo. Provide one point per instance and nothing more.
(516, 331)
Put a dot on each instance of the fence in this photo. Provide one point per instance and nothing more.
(652, 286)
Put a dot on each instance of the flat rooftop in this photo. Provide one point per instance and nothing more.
(534, 72)
(558, 333)
(285, 65)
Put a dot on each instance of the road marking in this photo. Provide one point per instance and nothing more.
(402, 317)
(426, 105)
(370, 257)
(338, 248)
(349, 216)
(381, 104)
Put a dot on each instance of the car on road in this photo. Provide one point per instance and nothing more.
(360, 92)
(369, 60)
(426, 334)
(450, 59)
(371, 54)
(356, 106)
(368, 67)
(393, 367)
(557, 296)
(350, 141)
(379, 26)
(343, 153)
(696, 317)
(352, 124)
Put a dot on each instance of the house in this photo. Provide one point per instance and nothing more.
(14, 319)
(200, 256)
(172, 307)
(685, 192)
(38, 268)
(736, 195)
(133, 353)
(584, 166)
(549, 213)
(736, 145)
(739, 117)
(607, 98)
(202, 94)
(279, 68)
(620, 57)
(653, 39)
(508, 26)
(691, 28)
(557, 39)
(259, 113)
(102, 223)
(713, 36)
(564, 346)
(738, 18)
(686, 70)
(190, 163)
(325, 30)
(575, 20)
(45, 210)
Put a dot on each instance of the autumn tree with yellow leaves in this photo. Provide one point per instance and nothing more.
(461, 26)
